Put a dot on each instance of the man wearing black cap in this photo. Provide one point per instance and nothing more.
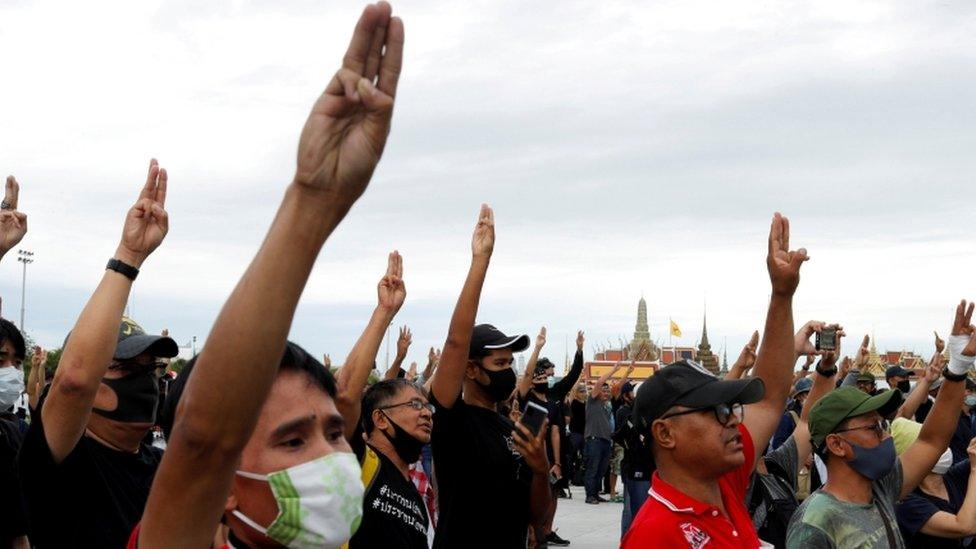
(897, 378)
(492, 475)
(637, 464)
(704, 432)
(856, 507)
(85, 475)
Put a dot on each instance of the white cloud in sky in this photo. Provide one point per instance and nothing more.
(627, 147)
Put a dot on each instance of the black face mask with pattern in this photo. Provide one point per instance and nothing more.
(137, 396)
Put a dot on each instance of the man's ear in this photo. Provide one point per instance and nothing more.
(231, 502)
(836, 446)
(663, 434)
(471, 369)
(379, 420)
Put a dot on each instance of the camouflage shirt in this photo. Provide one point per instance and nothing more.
(824, 521)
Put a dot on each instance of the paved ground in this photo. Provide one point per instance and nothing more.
(588, 526)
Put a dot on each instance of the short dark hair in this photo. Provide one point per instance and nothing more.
(9, 332)
(379, 395)
(293, 359)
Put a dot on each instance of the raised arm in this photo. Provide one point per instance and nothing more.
(390, 292)
(525, 382)
(606, 376)
(431, 364)
(822, 384)
(941, 422)
(963, 523)
(13, 223)
(340, 146)
(776, 357)
(91, 346)
(920, 392)
(562, 387)
(804, 370)
(403, 345)
(746, 360)
(449, 377)
(35, 379)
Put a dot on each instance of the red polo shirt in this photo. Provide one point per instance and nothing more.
(670, 518)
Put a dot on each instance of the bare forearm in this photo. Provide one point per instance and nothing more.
(540, 498)
(394, 370)
(821, 386)
(359, 363)
(605, 377)
(447, 379)
(915, 399)
(967, 512)
(942, 420)
(525, 382)
(776, 356)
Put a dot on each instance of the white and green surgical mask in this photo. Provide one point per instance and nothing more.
(320, 502)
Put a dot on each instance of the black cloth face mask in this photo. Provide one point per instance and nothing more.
(137, 396)
(404, 444)
(500, 384)
(541, 387)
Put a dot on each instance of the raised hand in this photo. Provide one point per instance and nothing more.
(540, 340)
(147, 222)
(531, 447)
(38, 358)
(962, 326)
(747, 357)
(845, 366)
(431, 356)
(861, 358)
(483, 240)
(404, 341)
(327, 361)
(412, 371)
(939, 343)
(933, 371)
(580, 339)
(13, 223)
(345, 133)
(391, 291)
(783, 264)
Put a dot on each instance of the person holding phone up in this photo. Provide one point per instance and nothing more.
(492, 473)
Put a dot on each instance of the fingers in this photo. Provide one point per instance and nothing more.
(161, 217)
(786, 236)
(376, 51)
(968, 318)
(12, 192)
(161, 187)
(362, 36)
(775, 234)
(392, 61)
(149, 189)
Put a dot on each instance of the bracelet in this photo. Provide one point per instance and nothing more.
(826, 373)
(953, 377)
(123, 269)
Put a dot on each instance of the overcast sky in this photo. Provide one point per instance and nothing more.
(626, 147)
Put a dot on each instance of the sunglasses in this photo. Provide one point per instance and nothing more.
(723, 412)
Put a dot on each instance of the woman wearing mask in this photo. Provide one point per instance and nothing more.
(258, 440)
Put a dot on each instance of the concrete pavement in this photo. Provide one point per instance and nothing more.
(588, 526)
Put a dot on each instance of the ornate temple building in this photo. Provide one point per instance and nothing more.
(649, 356)
(705, 356)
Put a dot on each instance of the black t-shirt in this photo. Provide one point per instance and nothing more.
(555, 415)
(577, 416)
(91, 499)
(394, 514)
(13, 515)
(638, 461)
(918, 507)
(961, 437)
(483, 482)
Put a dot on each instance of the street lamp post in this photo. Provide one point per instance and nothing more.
(24, 257)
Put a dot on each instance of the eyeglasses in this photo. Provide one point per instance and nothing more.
(415, 403)
(879, 428)
(723, 412)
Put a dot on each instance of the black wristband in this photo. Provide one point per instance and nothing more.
(953, 377)
(123, 269)
(826, 373)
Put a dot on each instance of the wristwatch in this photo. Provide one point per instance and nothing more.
(826, 373)
(123, 269)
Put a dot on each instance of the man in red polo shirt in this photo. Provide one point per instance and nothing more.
(704, 432)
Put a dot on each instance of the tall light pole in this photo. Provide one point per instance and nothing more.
(24, 257)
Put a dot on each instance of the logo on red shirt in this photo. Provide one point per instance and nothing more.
(694, 535)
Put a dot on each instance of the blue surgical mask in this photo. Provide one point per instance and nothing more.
(874, 463)
(971, 401)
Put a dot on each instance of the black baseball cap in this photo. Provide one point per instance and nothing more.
(896, 370)
(485, 337)
(627, 387)
(133, 341)
(687, 383)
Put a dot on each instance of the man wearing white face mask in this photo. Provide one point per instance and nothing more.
(258, 440)
(13, 515)
(941, 512)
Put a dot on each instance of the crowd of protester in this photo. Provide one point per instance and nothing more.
(256, 443)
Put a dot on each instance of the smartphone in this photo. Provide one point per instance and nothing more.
(533, 416)
(827, 339)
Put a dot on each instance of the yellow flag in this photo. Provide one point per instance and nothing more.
(675, 330)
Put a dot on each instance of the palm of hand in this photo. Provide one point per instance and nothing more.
(335, 151)
(12, 231)
(143, 233)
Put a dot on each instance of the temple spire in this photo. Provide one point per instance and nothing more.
(642, 332)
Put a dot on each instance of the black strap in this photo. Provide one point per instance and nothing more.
(124, 269)
(888, 531)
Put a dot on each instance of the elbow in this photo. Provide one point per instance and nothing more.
(200, 441)
(72, 381)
